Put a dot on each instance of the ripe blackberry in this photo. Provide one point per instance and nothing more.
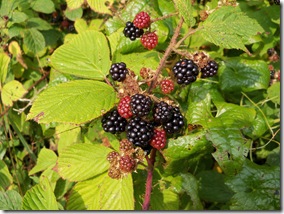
(167, 86)
(149, 40)
(159, 139)
(112, 122)
(142, 20)
(118, 71)
(176, 123)
(162, 112)
(277, 2)
(123, 107)
(113, 157)
(209, 70)
(139, 132)
(125, 146)
(132, 32)
(127, 164)
(185, 71)
(140, 105)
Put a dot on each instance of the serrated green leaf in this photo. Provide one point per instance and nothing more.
(10, 200)
(229, 27)
(34, 40)
(51, 175)
(12, 91)
(256, 188)
(38, 24)
(74, 13)
(80, 25)
(86, 55)
(185, 11)
(246, 75)
(273, 93)
(46, 158)
(73, 4)
(79, 162)
(43, 6)
(164, 199)
(74, 102)
(212, 187)
(6, 178)
(18, 17)
(40, 197)
(4, 62)
(102, 193)
(100, 6)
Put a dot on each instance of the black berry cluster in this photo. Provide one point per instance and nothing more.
(277, 2)
(118, 71)
(186, 71)
(112, 122)
(140, 105)
(176, 123)
(209, 70)
(162, 112)
(132, 32)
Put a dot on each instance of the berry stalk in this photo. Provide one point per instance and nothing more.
(166, 55)
(151, 162)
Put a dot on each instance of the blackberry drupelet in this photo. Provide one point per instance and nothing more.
(176, 123)
(139, 132)
(132, 32)
(186, 71)
(162, 112)
(112, 122)
(142, 20)
(118, 71)
(209, 70)
(140, 105)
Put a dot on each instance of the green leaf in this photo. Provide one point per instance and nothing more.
(6, 178)
(4, 62)
(87, 55)
(136, 61)
(43, 6)
(76, 102)
(100, 5)
(46, 158)
(74, 13)
(10, 200)
(38, 24)
(186, 152)
(40, 197)
(256, 188)
(12, 91)
(185, 11)
(34, 40)
(164, 199)
(245, 75)
(73, 4)
(79, 162)
(229, 27)
(18, 17)
(212, 187)
(81, 25)
(273, 93)
(102, 193)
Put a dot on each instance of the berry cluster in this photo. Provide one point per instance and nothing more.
(186, 71)
(134, 30)
(118, 71)
(209, 70)
(112, 122)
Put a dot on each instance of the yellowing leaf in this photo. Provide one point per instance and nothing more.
(12, 91)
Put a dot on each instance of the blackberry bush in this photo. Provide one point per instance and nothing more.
(139, 132)
(140, 105)
(112, 122)
(118, 71)
(142, 20)
(186, 71)
(132, 32)
(176, 123)
(209, 70)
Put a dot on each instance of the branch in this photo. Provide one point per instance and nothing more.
(166, 55)
(147, 197)
(191, 31)
(164, 17)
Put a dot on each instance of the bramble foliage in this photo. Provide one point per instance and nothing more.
(55, 85)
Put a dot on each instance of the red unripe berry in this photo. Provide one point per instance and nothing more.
(142, 20)
(127, 163)
(123, 107)
(159, 139)
(167, 86)
(149, 40)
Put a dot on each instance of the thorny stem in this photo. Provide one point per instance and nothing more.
(191, 31)
(151, 162)
(166, 55)
(164, 17)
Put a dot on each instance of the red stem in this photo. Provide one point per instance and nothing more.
(147, 197)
